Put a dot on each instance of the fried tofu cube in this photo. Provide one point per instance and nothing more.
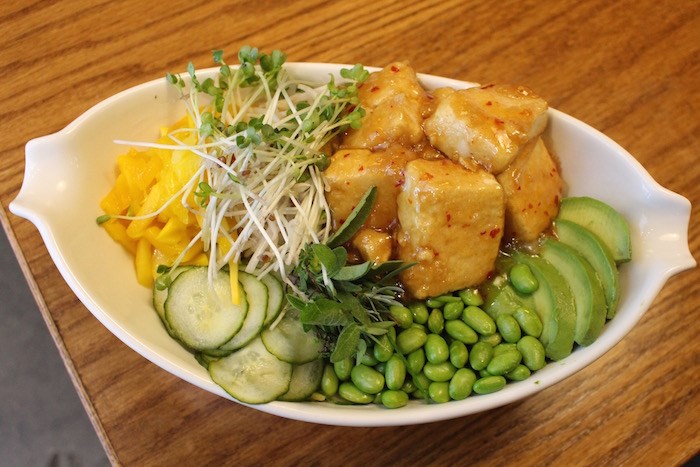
(373, 245)
(394, 101)
(533, 188)
(354, 171)
(489, 124)
(451, 224)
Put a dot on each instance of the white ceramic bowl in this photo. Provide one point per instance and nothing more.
(69, 172)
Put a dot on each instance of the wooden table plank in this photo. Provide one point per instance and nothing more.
(628, 68)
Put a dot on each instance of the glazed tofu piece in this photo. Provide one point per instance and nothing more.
(394, 101)
(373, 245)
(354, 171)
(533, 188)
(489, 124)
(451, 224)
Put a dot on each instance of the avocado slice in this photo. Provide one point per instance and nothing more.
(588, 245)
(554, 303)
(589, 296)
(601, 219)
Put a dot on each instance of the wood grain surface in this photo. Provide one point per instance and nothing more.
(629, 68)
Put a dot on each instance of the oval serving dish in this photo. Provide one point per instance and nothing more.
(69, 172)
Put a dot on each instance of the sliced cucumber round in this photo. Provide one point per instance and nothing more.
(306, 379)
(252, 374)
(256, 295)
(201, 315)
(275, 298)
(160, 295)
(289, 342)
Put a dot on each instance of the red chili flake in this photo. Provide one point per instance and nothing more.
(362, 168)
(498, 121)
(482, 233)
(546, 213)
(426, 176)
(529, 205)
(374, 89)
(556, 199)
(519, 188)
(448, 216)
(539, 204)
(487, 86)
(394, 68)
(351, 108)
(489, 103)
(346, 155)
(494, 232)
(399, 182)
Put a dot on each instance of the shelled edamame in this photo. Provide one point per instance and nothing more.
(444, 348)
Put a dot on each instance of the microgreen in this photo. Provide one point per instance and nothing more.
(261, 135)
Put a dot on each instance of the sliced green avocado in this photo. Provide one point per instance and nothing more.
(588, 245)
(554, 303)
(589, 296)
(601, 219)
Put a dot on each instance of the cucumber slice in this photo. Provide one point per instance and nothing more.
(256, 295)
(305, 381)
(275, 298)
(252, 374)
(201, 315)
(289, 342)
(160, 295)
(601, 219)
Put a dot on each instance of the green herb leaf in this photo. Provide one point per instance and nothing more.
(354, 272)
(347, 343)
(355, 220)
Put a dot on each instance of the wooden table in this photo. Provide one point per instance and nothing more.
(629, 68)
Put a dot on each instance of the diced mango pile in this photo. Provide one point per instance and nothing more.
(146, 180)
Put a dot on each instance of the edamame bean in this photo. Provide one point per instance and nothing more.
(402, 316)
(483, 373)
(422, 382)
(436, 349)
(471, 297)
(504, 362)
(532, 351)
(461, 384)
(367, 379)
(420, 326)
(447, 298)
(436, 322)
(393, 399)
(489, 384)
(453, 310)
(508, 328)
(415, 361)
(478, 320)
(368, 358)
(493, 339)
(520, 373)
(460, 331)
(434, 303)
(329, 381)
(409, 386)
(480, 355)
(529, 322)
(343, 368)
(439, 391)
(419, 311)
(503, 347)
(351, 393)
(377, 398)
(420, 394)
(395, 373)
(410, 339)
(523, 279)
(383, 350)
(439, 371)
(380, 367)
(459, 355)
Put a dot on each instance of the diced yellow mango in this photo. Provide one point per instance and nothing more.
(117, 231)
(142, 261)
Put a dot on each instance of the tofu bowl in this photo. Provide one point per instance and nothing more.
(69, 172)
